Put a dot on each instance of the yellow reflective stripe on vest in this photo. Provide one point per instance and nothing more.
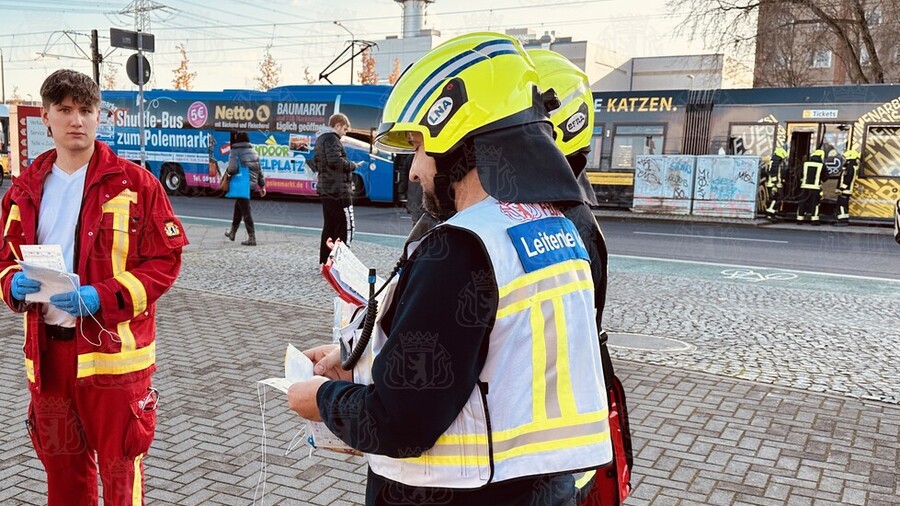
(456, 450)
(564, 394)
(560, 280)
(15, 214)
(136, 289)
(123, 362)
(538, 364)
(554, 434)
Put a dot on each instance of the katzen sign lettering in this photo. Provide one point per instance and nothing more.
(634, 104)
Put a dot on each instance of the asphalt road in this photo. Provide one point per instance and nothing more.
(854, 251)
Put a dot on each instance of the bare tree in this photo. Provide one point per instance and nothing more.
(184, 79)
(307, 76)
(110, 77)
(368, 75)
(395, 71)
(269, 71)
(789, 31)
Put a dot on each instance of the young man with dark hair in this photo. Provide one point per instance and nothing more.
(90, 352)
(334, 184)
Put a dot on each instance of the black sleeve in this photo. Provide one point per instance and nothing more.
(335, 156)
(437, 343)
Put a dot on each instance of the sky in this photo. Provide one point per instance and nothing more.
(226, 40)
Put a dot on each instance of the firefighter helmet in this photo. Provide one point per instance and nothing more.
(851, 154)
(471, 84)
(567, 96)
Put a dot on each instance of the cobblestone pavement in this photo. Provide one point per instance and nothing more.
(787, 393)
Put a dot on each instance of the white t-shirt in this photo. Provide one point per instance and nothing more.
(57, 219)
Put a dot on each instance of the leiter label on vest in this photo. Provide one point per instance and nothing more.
(545, 242)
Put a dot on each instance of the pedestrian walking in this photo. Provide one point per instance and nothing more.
(245, 177)
(334, 184)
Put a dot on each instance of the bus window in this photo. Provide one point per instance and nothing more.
(757, 139)
(882, 143)
(632, 140)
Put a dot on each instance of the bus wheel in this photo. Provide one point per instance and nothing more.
(172, 179)
(357, 188)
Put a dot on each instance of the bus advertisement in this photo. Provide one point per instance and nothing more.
(187, 135)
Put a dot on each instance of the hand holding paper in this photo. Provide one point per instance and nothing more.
(22, 285)
(82, 302)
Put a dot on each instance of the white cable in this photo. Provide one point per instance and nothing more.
(261, 480)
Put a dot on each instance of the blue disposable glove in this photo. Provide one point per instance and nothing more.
(22, 285)
(85, 301)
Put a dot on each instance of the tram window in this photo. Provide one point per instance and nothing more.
(632, 140)
(882, 145)
(756, 139)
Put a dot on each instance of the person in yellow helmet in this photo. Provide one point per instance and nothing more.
(568, 99)
(483, 383)
(811, 180)
(775, 182)
(845, 186)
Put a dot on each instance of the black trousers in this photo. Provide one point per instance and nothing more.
(338, 223)
(809, 204)
(242, 211)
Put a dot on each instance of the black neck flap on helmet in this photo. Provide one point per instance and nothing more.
(516, 163)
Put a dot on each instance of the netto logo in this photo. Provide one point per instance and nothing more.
(262, 113)
(576, 122)
(440, 111)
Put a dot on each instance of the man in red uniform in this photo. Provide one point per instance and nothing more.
(90, 351)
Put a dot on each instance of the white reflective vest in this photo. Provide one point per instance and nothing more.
(540, 405)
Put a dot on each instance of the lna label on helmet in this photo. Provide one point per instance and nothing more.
(452, 97)
(547, 241)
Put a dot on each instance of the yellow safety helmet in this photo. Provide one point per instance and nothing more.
(818, 153)
(471, 84)
(851, 154)
(780, 152)
(572, 113)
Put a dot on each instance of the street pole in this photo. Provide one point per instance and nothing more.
(352, 47)
(2, 77)
(140, 73)
(95, 55)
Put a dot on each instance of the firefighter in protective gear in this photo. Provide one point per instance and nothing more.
(479, 429)
(811, 180)
(846, 184)
(775, 181)
(567, 96)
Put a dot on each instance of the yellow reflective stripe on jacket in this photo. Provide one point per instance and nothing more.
(120, 208)
(13, 267)
(14, 215)
(136, 289)
(90, 364)
(137, 487)
(123, 329)
(29, 369)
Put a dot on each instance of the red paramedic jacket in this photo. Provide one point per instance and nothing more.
(128, 246)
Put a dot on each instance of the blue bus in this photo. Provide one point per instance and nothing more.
(187, 135)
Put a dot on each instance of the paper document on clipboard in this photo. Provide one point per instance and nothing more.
(348, 275)
(45, 263)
